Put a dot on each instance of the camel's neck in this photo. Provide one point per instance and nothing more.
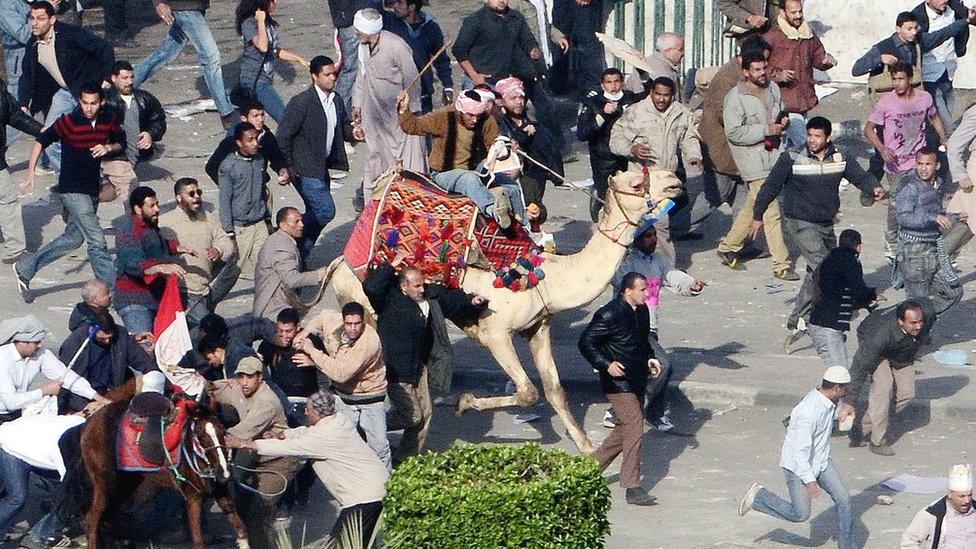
(578, 279)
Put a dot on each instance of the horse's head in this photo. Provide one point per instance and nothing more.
(630, 196)
(207, 440)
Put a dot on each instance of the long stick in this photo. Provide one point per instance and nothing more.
(540, 164)
(427, 66)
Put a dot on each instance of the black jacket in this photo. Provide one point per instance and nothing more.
(619, 332)
(83, 58)
(302, 134)
(959, 10)
(411, 341)
(594, 127)
(83, 313)
(152, 117)
(343, 11)
(127, 358)
(839, 289)
(268, 147)
(11, 115)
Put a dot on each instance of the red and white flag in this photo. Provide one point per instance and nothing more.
(172, 337)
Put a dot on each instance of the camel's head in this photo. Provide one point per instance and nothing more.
(630, 196)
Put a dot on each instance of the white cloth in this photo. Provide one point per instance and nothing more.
(806, 449)
(34, 440)
(328, 105)
(960, 529)
(941, 58)
(366, 26)
(424, 308)
(16, 375)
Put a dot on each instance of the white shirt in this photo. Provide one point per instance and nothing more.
(941, 58)
(424, 308)
(960, 530)
(328, 105)
(17, 374)
(806, 449)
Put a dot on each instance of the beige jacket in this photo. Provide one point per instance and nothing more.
(259, 414)
(197, 235)
(666, 133)
(348, 468)
(277, 276)
(921, 531)
(358, 369)
(662, 67)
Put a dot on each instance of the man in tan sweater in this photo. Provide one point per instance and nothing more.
(343, 462)
(460, 138)
(353, 360)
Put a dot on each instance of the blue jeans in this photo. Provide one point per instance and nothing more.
(274, 105)
(13, 60)
(830, 345)
(371, 418)
(798, 508)
(137, 318)
(349, 47)
(82, 226)
(796, 132)
(16, 483)
(62, 103)
(319, 210)
(189, 26)
(469, 184)
(945, 100)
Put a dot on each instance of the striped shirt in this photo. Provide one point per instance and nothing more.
(80, 172)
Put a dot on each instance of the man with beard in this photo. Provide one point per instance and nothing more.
(514, 122)
(142, 255)
(600, 109)
(212, 270)
(144, 123)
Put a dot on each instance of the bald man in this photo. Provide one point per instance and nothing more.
(414, 338)
(669, 51)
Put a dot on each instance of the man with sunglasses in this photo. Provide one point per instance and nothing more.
(212, 270)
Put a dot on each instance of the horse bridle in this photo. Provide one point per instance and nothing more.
(199, 453)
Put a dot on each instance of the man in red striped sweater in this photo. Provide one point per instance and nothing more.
(86, 136)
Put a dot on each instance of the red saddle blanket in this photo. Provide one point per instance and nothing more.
(130, 452)
(435, 229)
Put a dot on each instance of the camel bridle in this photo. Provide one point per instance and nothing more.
(615, 193)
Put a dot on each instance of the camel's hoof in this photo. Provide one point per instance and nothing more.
(465, 403)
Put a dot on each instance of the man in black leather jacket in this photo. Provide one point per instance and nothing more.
(616, 344)
(144, 122)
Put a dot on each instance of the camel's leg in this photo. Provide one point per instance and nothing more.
(526, 394)
(541, 346)
(194, 514)
(230, 511)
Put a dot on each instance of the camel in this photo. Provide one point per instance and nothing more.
(570, 281)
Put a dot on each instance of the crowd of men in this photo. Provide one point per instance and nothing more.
(309, 394)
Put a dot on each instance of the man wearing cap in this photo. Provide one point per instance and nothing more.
(806, 461)
(347, 467)
(949, 522)
(386, 68)
(22, 358)
(261, 414)
(514, 122)
(460, 138)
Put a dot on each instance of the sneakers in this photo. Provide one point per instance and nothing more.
(731, 260)
(663, 425)
(786, 274)
(745, 504)
(228, 120)
(610, 420)
(23, 285)
(881, 449)
(639, 496)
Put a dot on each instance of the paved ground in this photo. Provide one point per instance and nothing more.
(726, 343)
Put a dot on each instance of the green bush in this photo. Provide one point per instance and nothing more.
(479, 497)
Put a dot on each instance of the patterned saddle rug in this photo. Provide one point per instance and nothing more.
(439, 232)
(139, 446)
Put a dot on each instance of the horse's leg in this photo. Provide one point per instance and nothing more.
(194, 513)
(541, 346)
(501, 347)
(230, 511)
(101, 493)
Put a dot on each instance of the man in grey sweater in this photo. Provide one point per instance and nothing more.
(240, 182)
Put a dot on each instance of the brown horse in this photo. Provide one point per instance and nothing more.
(203, 471)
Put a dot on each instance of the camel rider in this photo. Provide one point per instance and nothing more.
(461, 137)
(22, 358)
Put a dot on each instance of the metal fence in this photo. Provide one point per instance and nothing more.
(700, 21)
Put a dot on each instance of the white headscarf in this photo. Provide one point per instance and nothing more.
(367, 26)
(25, 328)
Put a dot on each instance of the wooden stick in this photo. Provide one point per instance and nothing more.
(427, 66)
(540, 164)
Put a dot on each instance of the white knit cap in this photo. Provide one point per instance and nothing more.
(153, 382)
(367, 26)
(961, 478)
(837, 374)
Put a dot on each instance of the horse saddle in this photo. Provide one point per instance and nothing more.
(140, 446)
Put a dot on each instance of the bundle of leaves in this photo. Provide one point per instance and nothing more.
(497, 496)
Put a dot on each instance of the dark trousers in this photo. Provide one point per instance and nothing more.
(812, 241)
(657, 388)
(625, 439)
(115, 18)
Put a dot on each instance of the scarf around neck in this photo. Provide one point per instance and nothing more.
(802, 33)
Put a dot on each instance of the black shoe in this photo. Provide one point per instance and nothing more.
(881, 449)
(358, 201)
(731, 260)
(638, 496)
(857, 439)
(228, 120)
(23, 285)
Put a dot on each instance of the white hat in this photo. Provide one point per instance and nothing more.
(153, 381)
(837, 374)
(960, 478)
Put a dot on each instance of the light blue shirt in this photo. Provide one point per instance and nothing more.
(942, 58)
(806, 449)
